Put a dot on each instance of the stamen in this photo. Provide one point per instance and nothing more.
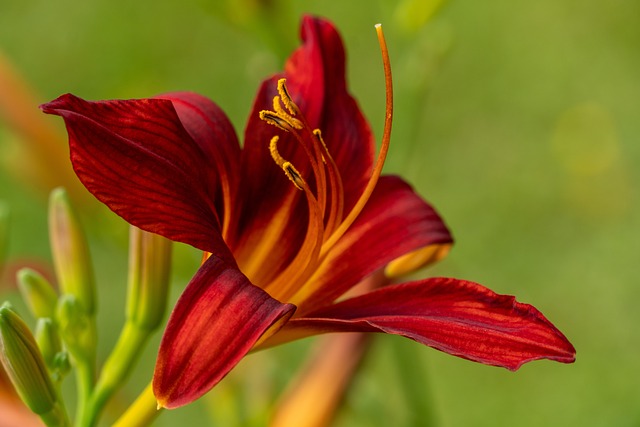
(288, 168)
(286, 98)
(293, 175)
(281, 112)
(335, 184)
(284, 122)
(318, 136)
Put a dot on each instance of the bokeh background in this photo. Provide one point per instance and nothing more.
(518, 120)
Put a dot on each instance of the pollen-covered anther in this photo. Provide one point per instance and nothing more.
(288, 168)
(283, 121)
(286, 98)
(293, 175)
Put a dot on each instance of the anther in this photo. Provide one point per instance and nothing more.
(286, 98)
(283, 114)
(284, 122)
(288, 168)
(293, 175)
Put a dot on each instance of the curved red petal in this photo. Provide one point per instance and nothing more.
(210, 128)
(216, 321)
(394, 222)
(458, 317)
(137, 158)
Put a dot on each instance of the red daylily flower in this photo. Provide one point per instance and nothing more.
(283, 247)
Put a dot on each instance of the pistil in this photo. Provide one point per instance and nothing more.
(384, 148)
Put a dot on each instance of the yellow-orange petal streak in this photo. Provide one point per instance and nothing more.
(305, 262)
(253, 253)
(417, 259)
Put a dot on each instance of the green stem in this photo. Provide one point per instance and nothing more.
(142, 412)
(84, 379)
(116, 370)
(56, 417)
(60, 408)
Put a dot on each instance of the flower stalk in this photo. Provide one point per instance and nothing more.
(148, 289)
(78, 333)
(142, 412)
(315, 397)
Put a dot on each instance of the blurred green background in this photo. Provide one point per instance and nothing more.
(517, 120)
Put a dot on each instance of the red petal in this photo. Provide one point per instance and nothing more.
(455, 316)
(210, 128)
(216, 321)
(394, 222)
(137, 158)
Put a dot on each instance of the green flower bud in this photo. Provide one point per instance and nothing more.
(70, 251)
(38, 293)
(48, 340)
(76, 328)
(24, 364)
(149, 271)
(61, 366)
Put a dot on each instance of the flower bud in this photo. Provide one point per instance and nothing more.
(23, 362)
(37, 292)
(60, 366)
(76, 328)
(313, 398)
(149, 271)
(48, 340)
(70, 251)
